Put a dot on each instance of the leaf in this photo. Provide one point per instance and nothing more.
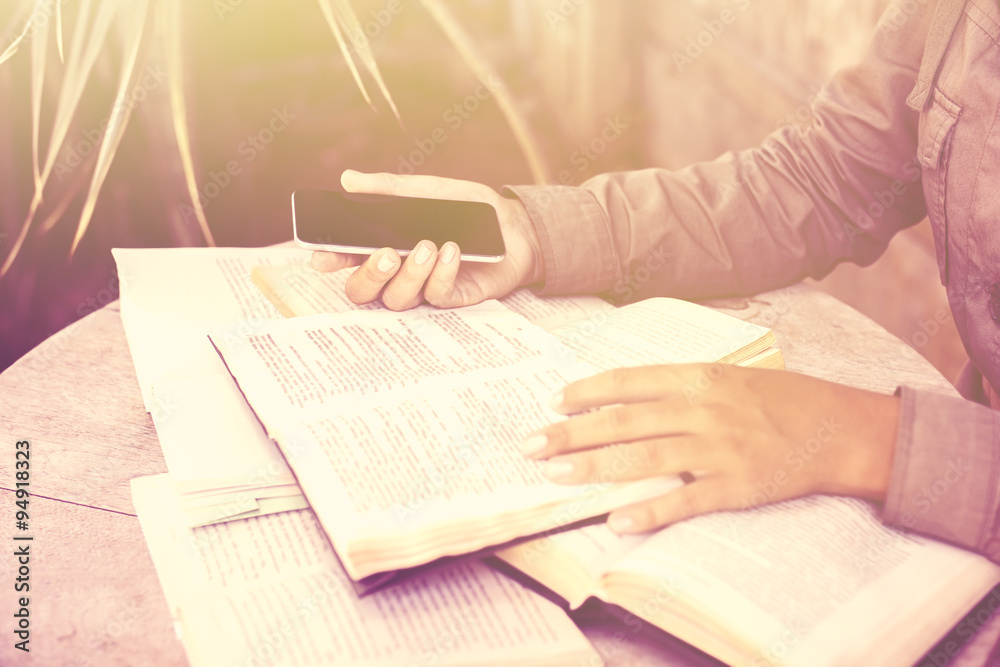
(171, 15)
(352, 26)
(59, 31)
(466, 48)
(39, 49)
(83, 53)
(334, 24)
(118, 120)
(87, 43)
(50, 221)
(12, 49)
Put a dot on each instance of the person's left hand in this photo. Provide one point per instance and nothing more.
(749, 436)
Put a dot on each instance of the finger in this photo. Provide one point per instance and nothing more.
(400, 185)
(405, 290)
(627, 385)
(623, 423)
(704, 495)
(634, 460)
(328, 262)
(366, 283)
(441, 290)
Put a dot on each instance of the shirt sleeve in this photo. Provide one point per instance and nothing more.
(751, 221)
(947, 461)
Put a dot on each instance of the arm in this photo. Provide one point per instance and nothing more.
(759, 219)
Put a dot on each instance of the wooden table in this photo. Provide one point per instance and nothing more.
(95, 598)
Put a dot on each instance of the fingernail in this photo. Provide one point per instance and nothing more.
(386, 263)
(422, 254)
(448, 254)
(556, 401)
(556, 469)
(534, 444)
(620, 523)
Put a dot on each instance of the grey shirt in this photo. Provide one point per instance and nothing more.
(912, 131)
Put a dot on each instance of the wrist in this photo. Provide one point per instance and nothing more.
(534, 271)
(865, 465)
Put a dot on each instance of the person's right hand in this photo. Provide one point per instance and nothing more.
(432, 274)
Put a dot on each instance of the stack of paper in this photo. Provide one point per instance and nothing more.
(222, 464)
(269, 591)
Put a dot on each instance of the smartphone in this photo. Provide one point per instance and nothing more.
(362, 223)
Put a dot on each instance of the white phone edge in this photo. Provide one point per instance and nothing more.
(356, 250)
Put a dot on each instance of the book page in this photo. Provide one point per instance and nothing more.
(812, 581)
(550, 312)
(659, 331)
(208, 432)
(289, 369)
(269, 590)
(211, 441)
(297, 290)
(170, 297)
(571, 563)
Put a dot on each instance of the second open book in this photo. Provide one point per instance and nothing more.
(403, 429)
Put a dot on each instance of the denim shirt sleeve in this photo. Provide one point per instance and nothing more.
(807, 199)
(946, 473)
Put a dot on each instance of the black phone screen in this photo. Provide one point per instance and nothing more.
(334, 218)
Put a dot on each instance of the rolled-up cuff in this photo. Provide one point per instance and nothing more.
(576, 241)
(946, 471)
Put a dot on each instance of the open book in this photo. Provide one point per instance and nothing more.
(816, 581)
(296, 290)
(268, 590)
(403, 428)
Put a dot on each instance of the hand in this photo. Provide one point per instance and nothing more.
(749, 436)
(433, 274)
